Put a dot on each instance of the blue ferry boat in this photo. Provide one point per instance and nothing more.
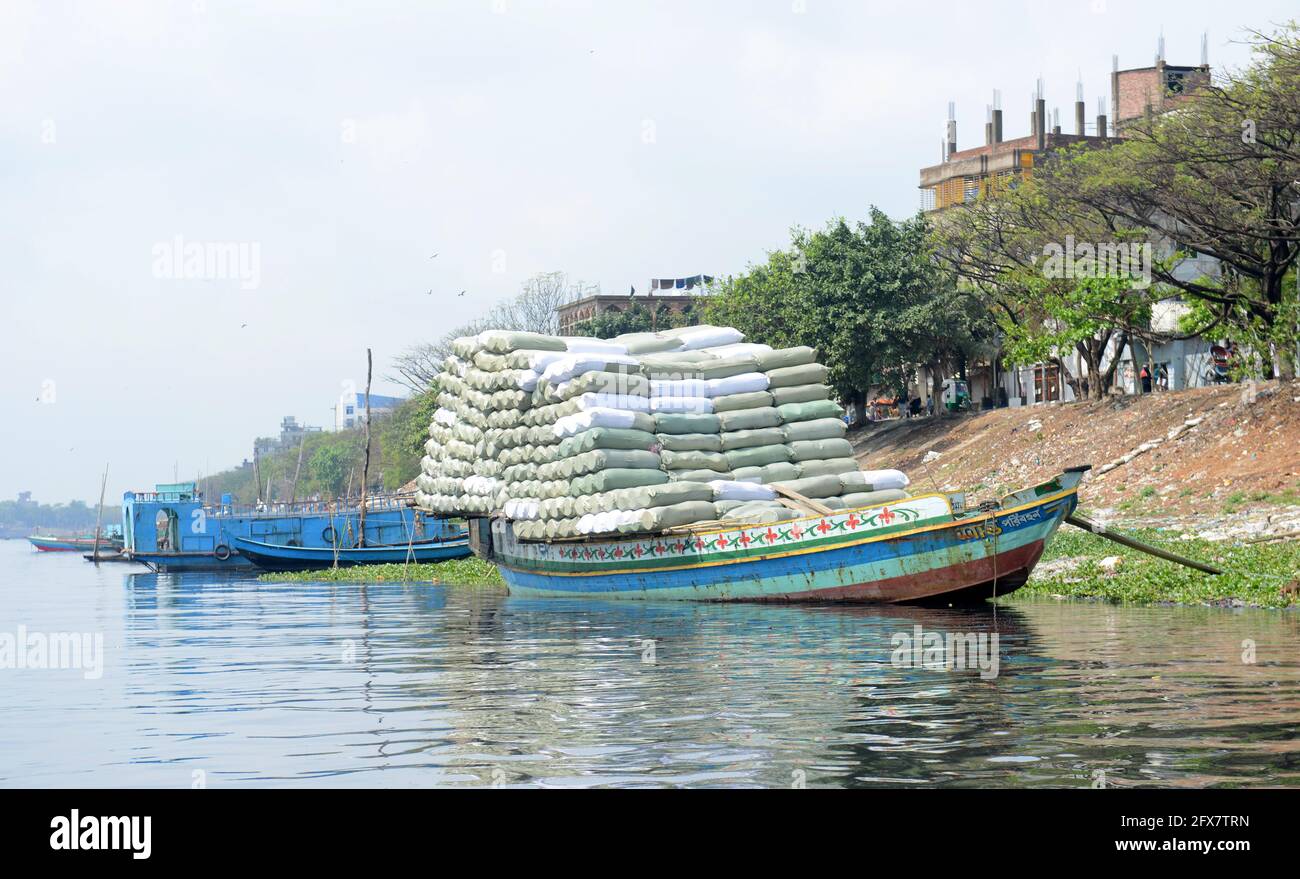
(172, 529)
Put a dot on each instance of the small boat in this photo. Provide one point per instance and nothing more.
(272, 557)
(80, 543)
(107, 555)
(927, 548)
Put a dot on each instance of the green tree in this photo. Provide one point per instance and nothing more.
(402, 436)
(869, 297)
(330, 466)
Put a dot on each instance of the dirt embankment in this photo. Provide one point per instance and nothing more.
(1208, 452)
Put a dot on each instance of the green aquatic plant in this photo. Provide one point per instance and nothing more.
(1255, 574)
(455, 572)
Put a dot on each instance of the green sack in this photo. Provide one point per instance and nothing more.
(685, 422)
(800, 394)
(612, 480)
(628, 383)
(726, 367)
(818, 428)
(611, 459)
(690, 442)
(649, 496)
(760, 513)
(746, 439)
(757, 456)
(816, 486)
(699, 475)
(751, 400)
(788, 376)
(783, 358)
(659, 518)
(749, 419)
(834, 466)
(503, 342)
(694, 461)
(606, 438)
(819, 450)
(868, 498)
(781, 471)
(792, 412)
(647, 343)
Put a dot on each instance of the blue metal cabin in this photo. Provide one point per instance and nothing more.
(171, 529)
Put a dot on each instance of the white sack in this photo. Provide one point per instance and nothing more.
(724, 490)
(745, 383)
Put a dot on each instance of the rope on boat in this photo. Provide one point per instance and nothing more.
(410, 549)
(334, 534)
(995, 561)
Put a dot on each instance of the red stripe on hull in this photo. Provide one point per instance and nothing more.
(1012, 569)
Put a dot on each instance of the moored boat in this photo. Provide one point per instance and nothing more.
(79, 543)
(920, 549)
(173, 529)
(270, 557)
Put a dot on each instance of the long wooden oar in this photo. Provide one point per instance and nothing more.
(1088, 525)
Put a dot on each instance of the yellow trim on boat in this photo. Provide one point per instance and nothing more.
(796, 552)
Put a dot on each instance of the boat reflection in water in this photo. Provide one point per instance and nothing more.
(419, 684)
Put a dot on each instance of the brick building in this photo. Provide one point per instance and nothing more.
(976, 172)
(573, 313)
(965, 176)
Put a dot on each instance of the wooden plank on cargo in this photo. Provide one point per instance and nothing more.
(806, 502)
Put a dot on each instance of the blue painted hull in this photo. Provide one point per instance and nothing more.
(906, 551)
(176, 532)
(295, 558)
(171, 562)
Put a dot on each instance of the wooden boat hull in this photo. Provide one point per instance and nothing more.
(270, 557)
(913, 550)
(72, 544)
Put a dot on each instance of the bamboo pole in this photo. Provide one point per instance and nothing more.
(1087, 525)
(1269, 538)
(99, 517)
(293, 497)
(365, 467)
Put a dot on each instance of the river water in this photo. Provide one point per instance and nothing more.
(220, 682)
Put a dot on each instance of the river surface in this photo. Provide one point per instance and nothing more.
(219, 682)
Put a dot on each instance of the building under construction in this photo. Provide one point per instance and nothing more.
(966, 175)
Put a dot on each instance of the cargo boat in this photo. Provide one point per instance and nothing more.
(926, 548)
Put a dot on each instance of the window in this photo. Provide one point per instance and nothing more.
(348, 410)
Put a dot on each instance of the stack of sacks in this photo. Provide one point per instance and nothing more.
(572, 437)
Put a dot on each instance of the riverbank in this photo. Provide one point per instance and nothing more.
(1206, 456)
(1082, 565)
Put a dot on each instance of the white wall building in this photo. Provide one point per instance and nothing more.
(351, 409)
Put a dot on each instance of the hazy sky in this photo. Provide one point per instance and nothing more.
(342, 144)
